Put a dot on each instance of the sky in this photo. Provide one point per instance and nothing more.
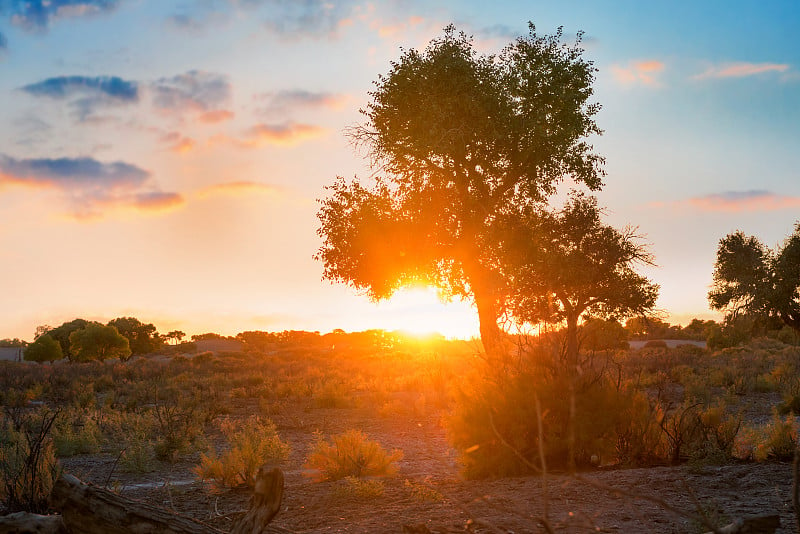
(163, 159)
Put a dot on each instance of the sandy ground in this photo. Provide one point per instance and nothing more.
(429, 490)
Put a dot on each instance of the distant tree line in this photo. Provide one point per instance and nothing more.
(81, 340)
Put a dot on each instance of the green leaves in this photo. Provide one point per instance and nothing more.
(749, 277)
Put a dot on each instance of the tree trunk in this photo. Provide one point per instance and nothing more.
(491, 337)
(571, 355)
(90, 510)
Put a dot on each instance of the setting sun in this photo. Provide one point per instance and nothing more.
(420, 311)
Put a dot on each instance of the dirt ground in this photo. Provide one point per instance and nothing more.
(429, 490)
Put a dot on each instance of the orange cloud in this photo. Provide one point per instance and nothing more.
(388, 30)
(157, 201)
(736, 202)
(749, 201)
(215, 116)
(179, 143)
(639, 72)
(741, 70)
(283, 134)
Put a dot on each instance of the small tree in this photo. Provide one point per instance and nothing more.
(752, 278)
(564, 264)
(175, 335)
(44, 349)
(98, 342)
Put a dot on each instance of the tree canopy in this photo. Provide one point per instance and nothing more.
(457, 139)
(752, 278)
(44, 349)
(563, 264)
(143, 338)
(98, 342)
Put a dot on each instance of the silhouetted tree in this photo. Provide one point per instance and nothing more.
(143, 338)
(563, 264)
(176, 335)
(98, 342)
(460, 138)
(751, 278)
(44, 349)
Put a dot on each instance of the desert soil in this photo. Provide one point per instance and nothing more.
(429, 490)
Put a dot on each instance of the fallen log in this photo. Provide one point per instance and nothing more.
(27, 523)
(87, 509)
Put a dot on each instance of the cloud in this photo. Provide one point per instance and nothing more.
(179, 143)
(639, 72)
(291, 19)
(287, 133)
(3, 43)
(196, 92)
(156, 201)
(215, 116)
(292, 99)
(740, 70)
(86, 94)
(749, 201)
(36, 15)
(71, 172)
(91, 187)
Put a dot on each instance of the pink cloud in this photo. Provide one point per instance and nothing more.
(283, 134)
(643, 72)
(736, 202)
(215, 116)
(741, 70)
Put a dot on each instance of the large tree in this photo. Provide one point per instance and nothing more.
(752, 278)
(457, 139)
(62, 334)
(98, 342)
(566, 264)
(142, 337)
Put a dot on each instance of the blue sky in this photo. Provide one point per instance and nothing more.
(162, 159)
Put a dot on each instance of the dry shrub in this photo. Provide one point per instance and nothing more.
(777, 440)
(28, 465)
(251, 445)
(351, 454)
(351, 488)
(495, 422)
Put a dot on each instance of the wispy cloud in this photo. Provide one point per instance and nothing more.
(645, 72)
(290, 20)
(177, 142)
(194, 92)
(287, 133)
(89, 186)
(281, 134)
(738, 201)
(740, 70)
(293, 99)
(36, 15)
(86, 94)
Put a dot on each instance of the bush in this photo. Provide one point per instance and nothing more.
(496, 422)
(251, 445)
(776, 440)
(351, 454)
(28, 465)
